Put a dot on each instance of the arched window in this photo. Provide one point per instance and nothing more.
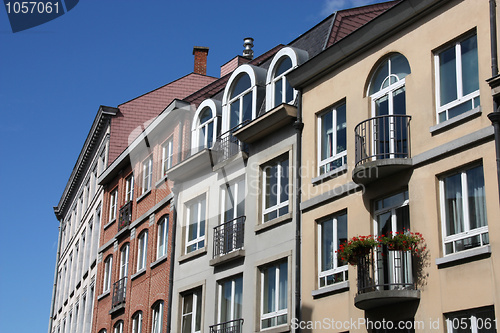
(206, 125)
(108, 265)
(103, 330)
(157, 317)
(137, 322)
(278, 90)
(124, 255)
(388, 102)
(142, 250)
(241, 101)
(161, 247)
(118, 328)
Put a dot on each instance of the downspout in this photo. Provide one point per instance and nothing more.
(172, 261)
(54, 287)
(298, 125)
(495, 115)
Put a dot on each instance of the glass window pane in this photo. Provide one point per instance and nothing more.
(242, 84)
(341, 236)
(477, 202)
(240, 204)
(247, 107)
(399, 66)
(470, 76)
(379, 77)
(459, 109)
(238, 297)
(326, 135)
(205, 115)
(197, 324)
(284, 181)
(283, 286)
(447, 76)
(278, 92)
(202, 217)
(210, 134)
(271, 186)
(269, 290)
(234, 114)
(285, 64)
(327, 245)
(453, 204)
(341, 129)
(288, 92)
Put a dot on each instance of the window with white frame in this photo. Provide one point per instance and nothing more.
(275, 189)
(457, 78)
(161, 247)
(147, 174)
(113, 199)
(463, 210)
(108, 263)
(118, 328)
(129, 188)
(124, 256)
(137, 322)
(142, 250)
(157, 318)
(196, 216)
(332, 140)
(233, 204)
(471, 321)
(191, 311)
(206, 128)
(332, 233)
(281, 88)
(240, 101)
(167, 155)
(230, 300)
(274, 295)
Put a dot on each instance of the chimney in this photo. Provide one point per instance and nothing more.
(200, 59)
(248, 44)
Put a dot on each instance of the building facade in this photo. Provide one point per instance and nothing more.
(397, 116)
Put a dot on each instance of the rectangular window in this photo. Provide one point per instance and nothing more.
(124, 253)
(196, 215)
(147, 174)
(167, 156)
(230, 301)
(458, 79)
(332, 233)
(191, 312)
(112, 204)
(142, 250)
(129, 188)
(276, 189)
(274, 295)
(463, 210)
(332, 139)
(473, 321)
(107, 274)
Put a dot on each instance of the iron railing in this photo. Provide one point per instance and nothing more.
(383, 137)
(125, 216)
(232, 326)
(119, 291)
(385, 270)
(229, 236)
(227, 145)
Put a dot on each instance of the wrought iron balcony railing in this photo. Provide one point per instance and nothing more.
(383, 137)
(229, 236)
(125, 216)
(232, 326)
(227, 145)
(119, 291)
(385, 270)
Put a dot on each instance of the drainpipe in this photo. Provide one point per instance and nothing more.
(495, 115)
(172, 261)
(54, 287)
(298, 125)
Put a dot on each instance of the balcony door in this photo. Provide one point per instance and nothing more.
(393, 269)
(233, 216)
(230, 302)
(388, 98)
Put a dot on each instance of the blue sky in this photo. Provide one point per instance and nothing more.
(54, 77)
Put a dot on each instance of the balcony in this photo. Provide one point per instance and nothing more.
(227, 146)
(382, 147)
(119, 291)
(385, 278)
(229, 240)
(232, 326)
(125, 216)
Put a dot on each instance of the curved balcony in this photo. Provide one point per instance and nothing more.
(382, 147)
(385, 278)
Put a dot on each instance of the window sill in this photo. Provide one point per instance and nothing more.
(104, 294)
(279, 329)
(193, 254)
(455, 121)
(240, 253)
(274, 222)
(139, 273)
(109, 224)
(142, 196)
(464, 256)
(329, 175)
(330, 290)
(159, 261)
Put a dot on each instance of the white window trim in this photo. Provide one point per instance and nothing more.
(129, 188)
(108, 266)
(279, 204)
(342, 269)
(196, 293)
(147, 174)
(157, 318)
(164, 233)
(167, 155)
(124, 260)
(215, 106)
(137, 322)
(336, 156)
(274, 314)
(199, 237)
(118, 328)
(233, 294)
(460, 98)
(113, 203)
(142, 250)
(468, 232)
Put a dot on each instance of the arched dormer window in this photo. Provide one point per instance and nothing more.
(387, 92)
(242, 96)
(278, 90)
(206, 125)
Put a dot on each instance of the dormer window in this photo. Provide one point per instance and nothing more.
(283, 91)
(206, 125)
(240, 104)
